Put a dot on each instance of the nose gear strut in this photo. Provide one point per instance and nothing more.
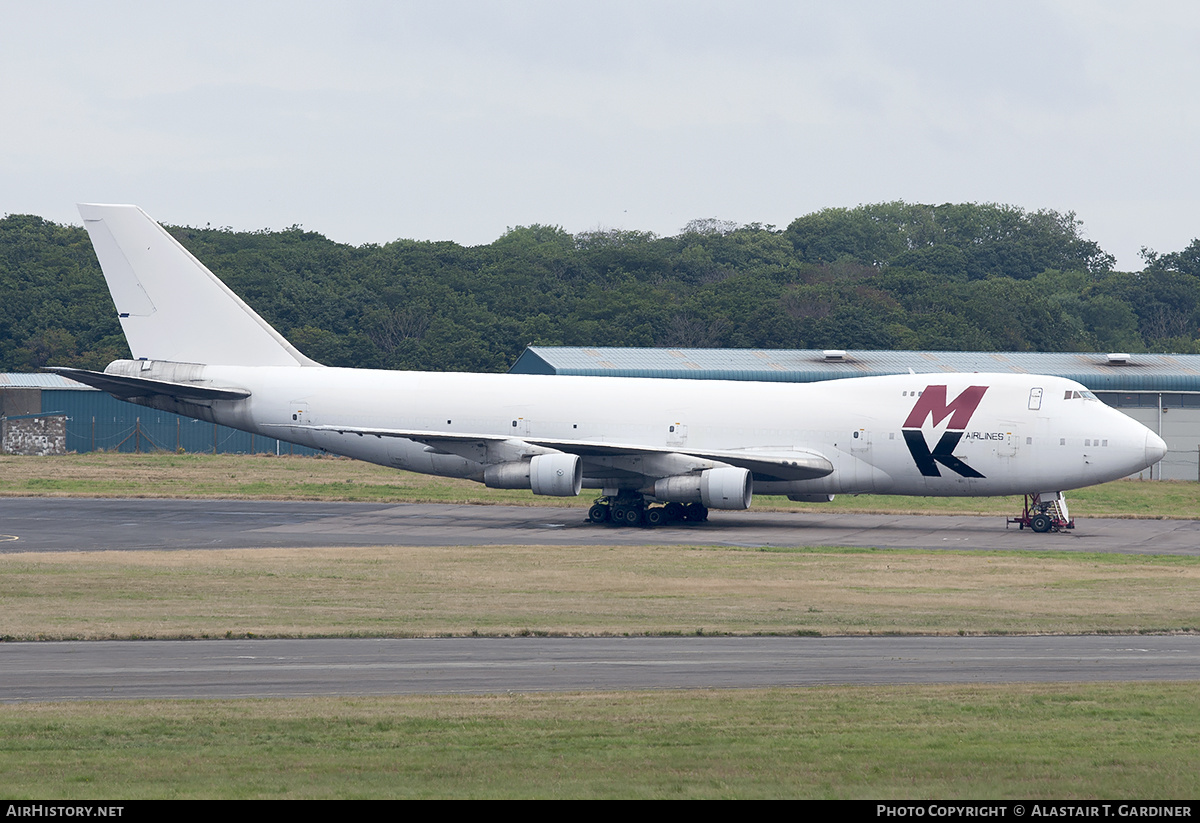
(1044, 512)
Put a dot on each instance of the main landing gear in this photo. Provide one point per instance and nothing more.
(1045, 512)
(632, 510)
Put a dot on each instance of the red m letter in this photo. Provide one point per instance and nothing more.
(933, 401)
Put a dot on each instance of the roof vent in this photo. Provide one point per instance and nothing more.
(1117, 359)
(834, 355)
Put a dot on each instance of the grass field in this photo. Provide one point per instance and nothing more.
(1057, 741)
(589, 590)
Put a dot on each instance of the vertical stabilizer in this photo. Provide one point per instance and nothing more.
(171, 306)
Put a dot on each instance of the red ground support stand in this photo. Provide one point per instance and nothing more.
(1041, 517)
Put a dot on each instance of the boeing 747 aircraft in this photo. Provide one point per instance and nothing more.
(654, 450)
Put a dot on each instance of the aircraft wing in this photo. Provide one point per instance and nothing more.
(779, 463)
(124, 388)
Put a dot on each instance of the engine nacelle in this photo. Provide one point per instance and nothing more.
(560, 475)
(557, 475)
(728, 488)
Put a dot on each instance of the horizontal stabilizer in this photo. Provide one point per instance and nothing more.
(125, 388)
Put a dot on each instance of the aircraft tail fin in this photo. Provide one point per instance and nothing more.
(171, 306)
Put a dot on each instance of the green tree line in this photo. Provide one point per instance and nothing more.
(884, 276)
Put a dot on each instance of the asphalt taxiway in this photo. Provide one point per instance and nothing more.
(68, 524)
(265, 668)
(296, 668)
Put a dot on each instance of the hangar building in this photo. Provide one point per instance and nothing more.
(92, 420)
(1161, 391)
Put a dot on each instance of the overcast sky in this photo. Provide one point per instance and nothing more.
(371, 121)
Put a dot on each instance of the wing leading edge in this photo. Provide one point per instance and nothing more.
(769, 463)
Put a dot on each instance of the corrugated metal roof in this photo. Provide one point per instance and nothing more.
(40, 381)
(1140, 372)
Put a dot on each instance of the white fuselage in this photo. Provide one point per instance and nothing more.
(982, 434)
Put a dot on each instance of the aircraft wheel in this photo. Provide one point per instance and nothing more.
(695, 512)
(633, 517)
(1041, 523)
(598, 513)
(655, 517)
(673, 511)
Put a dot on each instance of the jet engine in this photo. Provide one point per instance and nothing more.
(557, 475)
(726, 488)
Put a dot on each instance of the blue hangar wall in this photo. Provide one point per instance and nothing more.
(96, 421)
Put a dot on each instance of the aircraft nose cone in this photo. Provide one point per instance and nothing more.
(1156, 448)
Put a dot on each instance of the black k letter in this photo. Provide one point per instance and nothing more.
(944, 453)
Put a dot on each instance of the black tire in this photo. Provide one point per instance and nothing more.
(1041, 523)
(655, 517)
(633, 517)
(674, 511)
(598, 513)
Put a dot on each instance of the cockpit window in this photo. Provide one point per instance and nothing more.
(1077, 395)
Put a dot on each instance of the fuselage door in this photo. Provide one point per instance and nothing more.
(299, 416)
(1009, 447)
(1035, 399)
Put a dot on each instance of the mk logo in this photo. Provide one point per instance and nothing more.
(932, 402)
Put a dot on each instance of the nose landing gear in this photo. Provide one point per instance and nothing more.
(1044, 512)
